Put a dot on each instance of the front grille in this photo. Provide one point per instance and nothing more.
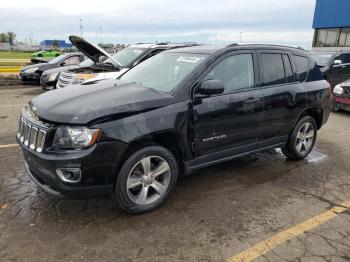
(31, 134)
(65, 79)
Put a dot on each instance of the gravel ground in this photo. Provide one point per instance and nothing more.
(214, 214)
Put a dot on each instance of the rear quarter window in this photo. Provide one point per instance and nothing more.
(315, 73)
(302, 66)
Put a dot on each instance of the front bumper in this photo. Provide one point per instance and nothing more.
(342, 103)
(98, 165)
(47, 85)
(29, 77)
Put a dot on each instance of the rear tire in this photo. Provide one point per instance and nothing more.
(302, 139)
(146, 179)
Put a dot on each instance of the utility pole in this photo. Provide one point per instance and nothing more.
(100, 28)
(81, 27)
(240, 37)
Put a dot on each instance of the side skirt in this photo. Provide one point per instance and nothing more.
(194, 164)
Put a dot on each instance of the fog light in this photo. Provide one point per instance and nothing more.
(69, 175)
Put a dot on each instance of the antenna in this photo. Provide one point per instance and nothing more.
(81, 27)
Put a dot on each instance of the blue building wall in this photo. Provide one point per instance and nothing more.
(332, 13)
(61, 43)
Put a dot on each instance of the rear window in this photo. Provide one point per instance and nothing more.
(314, 73)
(302, 66)
(272, 69)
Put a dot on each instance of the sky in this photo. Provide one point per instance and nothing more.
(217, 22)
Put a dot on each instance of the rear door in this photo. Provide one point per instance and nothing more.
(282, 102)
(228, 123)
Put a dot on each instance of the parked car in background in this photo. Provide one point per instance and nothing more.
(32, 73)
(107, 65)
(49, 78)
(176, 112)
(46, 53)
(341, 99)
(335, 66)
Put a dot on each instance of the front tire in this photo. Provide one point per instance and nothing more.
(146, 179)
(302, 139)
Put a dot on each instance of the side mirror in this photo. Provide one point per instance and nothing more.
(63, 63)
(337, 62)
(211, 87)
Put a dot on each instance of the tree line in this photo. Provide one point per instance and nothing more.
(8, 37)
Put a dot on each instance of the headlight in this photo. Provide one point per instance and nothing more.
(82, 77)
(53, 76)
(75, 137)
(31, 70)
(338, 90)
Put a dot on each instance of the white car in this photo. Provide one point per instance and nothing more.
(107, 66)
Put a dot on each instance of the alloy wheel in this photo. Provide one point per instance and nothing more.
(148, 180)
(305, 138)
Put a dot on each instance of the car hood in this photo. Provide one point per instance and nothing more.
(60, 69)
(81, 104)
(92, 51)
(33, 66)
(41, 67)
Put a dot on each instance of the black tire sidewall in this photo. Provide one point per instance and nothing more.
(291, 150)
(121, 194)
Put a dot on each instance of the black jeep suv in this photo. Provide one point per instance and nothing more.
(178, 111)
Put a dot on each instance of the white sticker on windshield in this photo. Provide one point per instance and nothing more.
(188, 59)
(137, 51)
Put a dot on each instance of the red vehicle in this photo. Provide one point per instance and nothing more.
(341, 94)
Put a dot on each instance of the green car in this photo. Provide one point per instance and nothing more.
(46, 53)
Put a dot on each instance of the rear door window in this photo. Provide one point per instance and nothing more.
(302, 66)
(272, 69)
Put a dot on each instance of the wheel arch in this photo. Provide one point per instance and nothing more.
(169, 139)
(316, 113)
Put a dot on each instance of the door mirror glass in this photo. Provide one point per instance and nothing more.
(211, 87)
(337, 62)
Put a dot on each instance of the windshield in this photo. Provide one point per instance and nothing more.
(56, 59)
(321, 59)
(87, 62)
(163, 71)
(127, 55)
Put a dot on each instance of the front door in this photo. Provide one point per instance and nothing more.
(228, 124)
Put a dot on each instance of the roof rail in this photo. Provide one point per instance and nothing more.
(233, 45)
